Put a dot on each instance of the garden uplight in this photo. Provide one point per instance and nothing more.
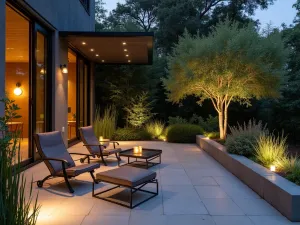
(273, 168)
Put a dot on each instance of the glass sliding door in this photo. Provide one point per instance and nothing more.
(78, 103)
(41, 111)
(82, 92)
(17, 75)
(72, 95)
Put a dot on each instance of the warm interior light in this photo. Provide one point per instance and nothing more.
(103, 60)
(127, 55)
(83, 43)
(97, 55)
(273, 168)
(124, 43)
(64, 69)
(100, 138)
(92, 50)
(125, 50)
(18, 91)
(42, 71)
(129, 61)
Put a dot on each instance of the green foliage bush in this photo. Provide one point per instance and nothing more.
(243, 138)
(183, 133)
(131, 134)
(105, 126)
(210, 124)
(15, 207)
(176, 120)
(155, 128)
(139, 110)
(270, 148)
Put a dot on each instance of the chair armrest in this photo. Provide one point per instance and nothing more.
(75, 153)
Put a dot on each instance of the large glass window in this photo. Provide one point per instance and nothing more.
(17, 74)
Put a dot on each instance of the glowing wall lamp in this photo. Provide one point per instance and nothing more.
(18, 91)
(64, 69)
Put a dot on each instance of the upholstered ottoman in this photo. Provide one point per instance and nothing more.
(129, 177)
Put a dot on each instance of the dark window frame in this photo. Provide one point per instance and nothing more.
(86, 5)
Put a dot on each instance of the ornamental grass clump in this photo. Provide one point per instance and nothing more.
(243, 138)
(287, 164)
(270, 148)
(105, 125)
(15, 207)
(155, 128)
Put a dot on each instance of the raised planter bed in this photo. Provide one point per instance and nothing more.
(278, 191)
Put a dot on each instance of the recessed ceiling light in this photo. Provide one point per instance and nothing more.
(97, 55)
(129, 61)
(125, 50)
(127, 55)
(103, 60)
(83, 43)
(92, 50)
(124, 43)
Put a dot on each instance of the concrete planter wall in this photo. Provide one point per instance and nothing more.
(278, 191)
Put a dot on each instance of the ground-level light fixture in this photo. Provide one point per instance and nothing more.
(129, 61)
(103, 60)
(18, 91)
(64, 68)
(273, 168)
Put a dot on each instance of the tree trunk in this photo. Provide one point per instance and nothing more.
(221, 124)
(225, 121)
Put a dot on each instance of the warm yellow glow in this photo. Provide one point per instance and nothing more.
(18, 91)
(140, 149)
(124, 43)
(65, 70)
(83, 43)
(129, 61)
(42, 71)
(101, 138)
(103, 60)
(97, 55)
(92, 50)
(127, 55)
(273, 168)
(164, 139)
(136, 149)
(125, 50)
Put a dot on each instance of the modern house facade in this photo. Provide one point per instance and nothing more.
(49, 50)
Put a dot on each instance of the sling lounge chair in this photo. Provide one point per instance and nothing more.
(95, 147)
(58, 160)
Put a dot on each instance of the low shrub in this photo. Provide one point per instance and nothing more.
(176, 120)
(130, 134)
(212, 135)
(270, 148)
(243, 138)
(183, 133)
(294, 176)
(210, 124)
(155, 128)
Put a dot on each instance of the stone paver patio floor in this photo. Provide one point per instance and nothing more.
(194, 190)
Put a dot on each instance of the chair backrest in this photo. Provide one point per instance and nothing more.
(51, 145)
(88, 137)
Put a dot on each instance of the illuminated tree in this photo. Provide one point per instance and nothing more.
(231, 64)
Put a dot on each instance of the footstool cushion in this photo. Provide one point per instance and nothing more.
(126, 176)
